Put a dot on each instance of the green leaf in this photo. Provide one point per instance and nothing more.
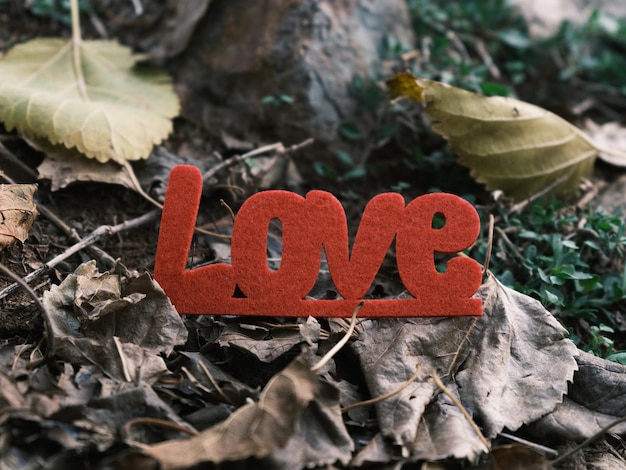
(344, 157)
(350, 131)
(507, 144)
(102, 103)
(355, 173)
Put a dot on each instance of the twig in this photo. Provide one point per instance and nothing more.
(157, 422)
(521, 205)
(138, 6)
(340, 344)
(533, 445)
(99, 253)
(507, 241)
(216, 386)
(460, 406)
(371, 401)
(93, 237)
(232, 161)
(17, 162)
(489, 244)
(46, 316)
(228, 208)
(487, 59)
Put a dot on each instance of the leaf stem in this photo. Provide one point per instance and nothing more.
(76, 48)
(463, 410)
(341, 343)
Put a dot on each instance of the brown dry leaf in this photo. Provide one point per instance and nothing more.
(18, 212)
(255, 429)
(267, 343)
(66, 167)
(609, 135)
(320, 437)
(508, 144)
(509, 367)
(596, 399)
(122, 329)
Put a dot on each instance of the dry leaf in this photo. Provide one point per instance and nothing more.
(65, 168)
(596, 399)
(508, 144)
(609, 135)
(255, 429)
(120, 329)
(267, 343)
(512, 366)
(18, 212)
(114, 111)
(320, 438)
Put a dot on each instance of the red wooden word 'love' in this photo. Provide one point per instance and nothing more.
(308, 224)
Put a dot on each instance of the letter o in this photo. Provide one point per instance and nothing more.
(301, 249)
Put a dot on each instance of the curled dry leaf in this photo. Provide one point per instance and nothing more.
(253, 430)
(122, 329)
(508, 144)
(110, 110)
(18, 211)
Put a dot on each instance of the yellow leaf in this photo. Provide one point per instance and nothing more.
(102, 104)
(508, 144)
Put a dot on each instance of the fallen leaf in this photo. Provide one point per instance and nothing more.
(255, 429)
(111, 110)
(596, 399)
(266, 343)
(65, 168)
(508, 144)
(18, 211)
(120, 329)
(609, 135)
(320, 438)
(208, 375)
(512, 366)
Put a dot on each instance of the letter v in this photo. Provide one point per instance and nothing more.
(353, 273)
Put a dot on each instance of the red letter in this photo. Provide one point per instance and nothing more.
(198, 290)
(353, 272)
(299, 265)
(417, 241)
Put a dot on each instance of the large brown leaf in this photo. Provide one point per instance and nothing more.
(509, 367)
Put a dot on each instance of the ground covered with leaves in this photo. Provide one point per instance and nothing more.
(98, 369)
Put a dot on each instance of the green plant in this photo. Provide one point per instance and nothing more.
(572, 261)
(58, 10)
(278, 100)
